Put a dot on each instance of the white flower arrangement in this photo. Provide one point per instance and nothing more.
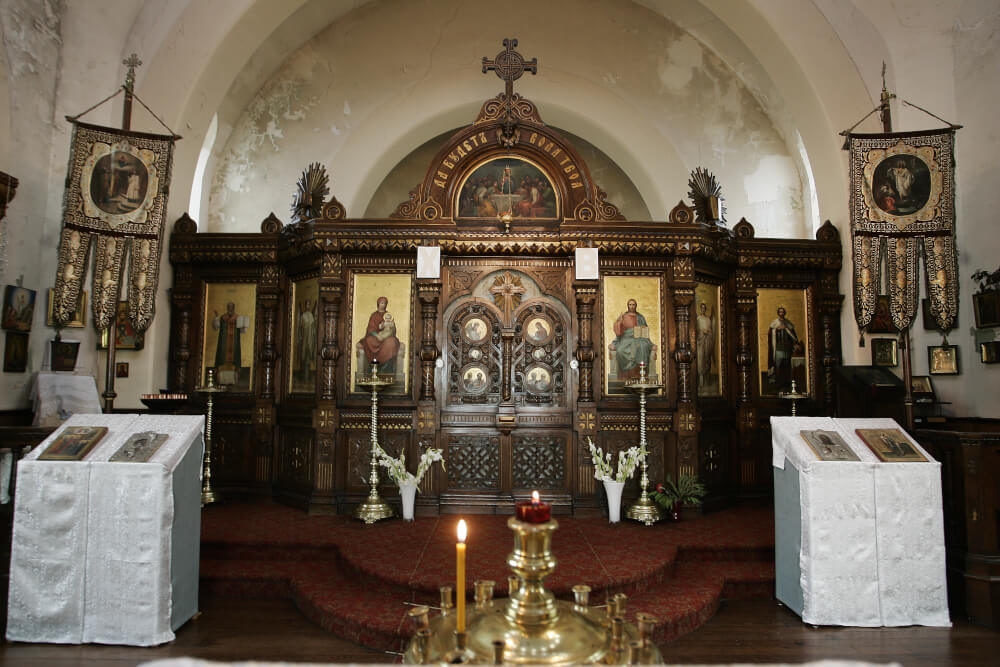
(628, 460)
(397, 467)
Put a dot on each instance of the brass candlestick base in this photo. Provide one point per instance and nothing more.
(643, 509)
(208, 494)
(374, 507)
(532, 627)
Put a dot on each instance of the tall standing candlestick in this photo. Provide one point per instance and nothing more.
(460, 577)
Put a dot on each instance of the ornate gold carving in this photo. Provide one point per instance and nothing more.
(185, 225)
(607, 212)
(334, 210)
(270, 225)
(684, 268)
(408, 209)
(743, 229)
(585, 211)
(507, 290)
(587, 421)
(311, 190)
(682, 214)
(325, 418)
(828, 233)
(687, 422)
(332, 264)
(264, 415)
(426, 420)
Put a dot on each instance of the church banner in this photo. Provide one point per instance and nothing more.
(116, 199)
(902, 209)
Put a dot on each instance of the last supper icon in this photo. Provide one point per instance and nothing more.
(475, 330)
(538, 331)
(537, 379)
(475, 379)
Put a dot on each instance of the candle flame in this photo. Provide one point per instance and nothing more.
(534, 497)
(462, 530)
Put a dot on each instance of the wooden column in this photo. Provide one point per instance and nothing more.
(746, 307)
(331, 292)
(268, 298)
(182, 305)
(429, 294)
(687, 423)
(586, 295)
(830, 313)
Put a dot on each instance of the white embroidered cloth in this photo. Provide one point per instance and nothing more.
(57, 396)
(872, 533)
(91, 554)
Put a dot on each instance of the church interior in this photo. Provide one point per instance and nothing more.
(715, 280)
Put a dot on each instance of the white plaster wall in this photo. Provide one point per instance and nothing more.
(332, 100)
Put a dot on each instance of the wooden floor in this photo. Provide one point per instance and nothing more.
(742, 631)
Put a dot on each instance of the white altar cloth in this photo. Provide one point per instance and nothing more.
(863, 544)
(108, 552)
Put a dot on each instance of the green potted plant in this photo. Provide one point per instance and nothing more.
(671, 496)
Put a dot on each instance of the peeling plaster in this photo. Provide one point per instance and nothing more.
(695, 103)
(683, 59)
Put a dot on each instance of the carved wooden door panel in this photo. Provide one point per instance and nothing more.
(506, 409)
(539, 356)
(474, 356)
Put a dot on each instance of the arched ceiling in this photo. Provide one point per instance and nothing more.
(785, 53)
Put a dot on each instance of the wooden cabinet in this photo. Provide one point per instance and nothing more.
(969, 452)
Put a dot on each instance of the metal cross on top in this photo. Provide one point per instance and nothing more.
(510, 65)
(507, 290)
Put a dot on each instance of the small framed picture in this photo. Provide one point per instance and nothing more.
(15, 352)
(126, 337)
(79, 317)
(921, 388)
(121, 369)
(989, 353)
(18, 308)
(64, 354)
(943, 360)
(986, 307)
(882, 319)
(885, 352)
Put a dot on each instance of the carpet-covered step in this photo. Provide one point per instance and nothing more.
(692, 596)
(327, 594)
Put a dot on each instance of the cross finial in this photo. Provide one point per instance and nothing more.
(132, 62)
(510, 65)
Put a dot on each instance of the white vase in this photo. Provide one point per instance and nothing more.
(613, 490)
(408, 494)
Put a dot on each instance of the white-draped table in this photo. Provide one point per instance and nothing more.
(857, 542)
(108, 552)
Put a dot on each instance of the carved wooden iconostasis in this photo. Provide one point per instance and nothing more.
(507, 361)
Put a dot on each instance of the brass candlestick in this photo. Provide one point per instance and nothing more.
(208, 494)
(794, 396)
(532, 627)
(373, 508)
(643, 509)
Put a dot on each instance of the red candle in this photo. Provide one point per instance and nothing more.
(533, 511)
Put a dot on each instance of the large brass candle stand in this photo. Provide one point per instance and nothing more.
(208, 494)
(531, 626)
(643, 509)
(373, 508)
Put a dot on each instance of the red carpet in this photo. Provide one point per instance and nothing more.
(353, 579)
